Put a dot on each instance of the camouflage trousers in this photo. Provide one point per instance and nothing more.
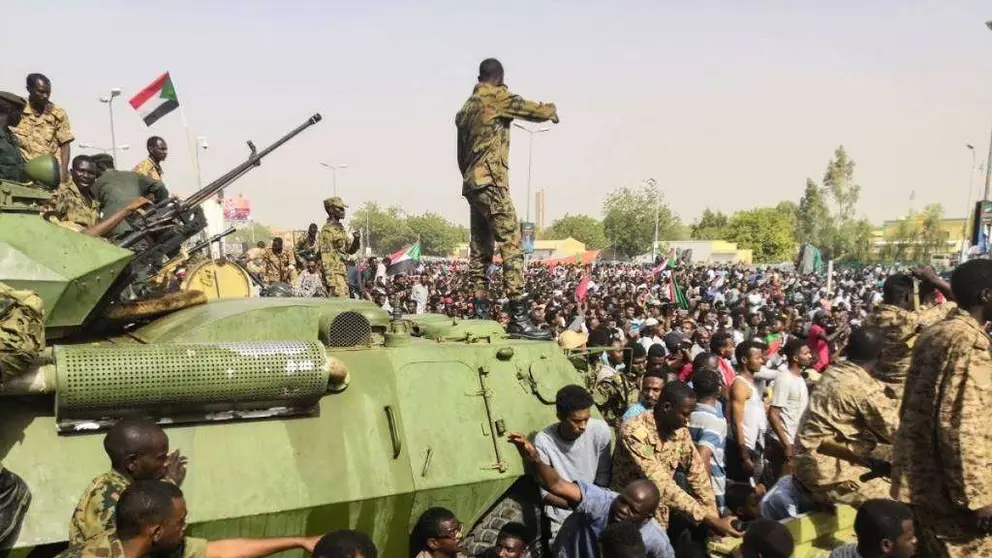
(22, 330)
(949, 537)
(852, 493)
(337, 285)
(494, 220)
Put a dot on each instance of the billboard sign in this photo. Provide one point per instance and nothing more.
(527, 237)
(237, 210)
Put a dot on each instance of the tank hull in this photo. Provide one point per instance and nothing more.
(419, 425)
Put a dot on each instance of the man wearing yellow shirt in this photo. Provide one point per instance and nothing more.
(152, 165)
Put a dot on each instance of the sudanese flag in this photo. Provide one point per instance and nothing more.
(156, 100)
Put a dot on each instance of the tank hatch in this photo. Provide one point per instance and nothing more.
(69, 270)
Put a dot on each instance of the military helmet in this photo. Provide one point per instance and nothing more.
(44, 170)
(334, 202)
(16, 100)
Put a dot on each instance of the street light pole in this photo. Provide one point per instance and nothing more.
(530, 157)
(109, 99)
(654, 247)
(334, 175)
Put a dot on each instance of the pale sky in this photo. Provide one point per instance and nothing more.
(726, 104)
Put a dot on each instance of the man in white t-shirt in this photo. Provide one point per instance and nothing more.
(790, 397)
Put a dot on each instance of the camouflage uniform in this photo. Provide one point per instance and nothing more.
(943, 448)
(149, 168)
(483, 150)
(95, 511)
(42, 134)
(107, 545)
(613, 393)
(334, 244)
(642, 453)
(901, 328)
(306, 249)
(278, 267)
(847, 406)
(69, 204)
(11, 161)
(255, 260)
(22, 330)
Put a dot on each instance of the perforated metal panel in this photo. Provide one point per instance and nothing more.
(188, 379)
(347, 329)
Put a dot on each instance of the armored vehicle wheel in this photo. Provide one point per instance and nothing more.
(520, 504)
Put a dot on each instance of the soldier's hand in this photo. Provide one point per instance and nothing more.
(175, 468)
(309, 543)
(723, 526)
(526, 449)
(983, 520)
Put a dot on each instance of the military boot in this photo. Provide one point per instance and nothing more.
(14, 499)
(520, 324)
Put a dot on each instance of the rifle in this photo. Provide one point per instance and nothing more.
(159, 233)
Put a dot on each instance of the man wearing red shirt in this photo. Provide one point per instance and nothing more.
(819, 341)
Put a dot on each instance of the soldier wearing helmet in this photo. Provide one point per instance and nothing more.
(335, 249)
(11, 161)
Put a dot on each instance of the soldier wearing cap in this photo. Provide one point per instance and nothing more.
(335, 249)
(11, 161)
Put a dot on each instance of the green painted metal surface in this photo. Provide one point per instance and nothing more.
(444, 328)
(419, 425)
(69, 271)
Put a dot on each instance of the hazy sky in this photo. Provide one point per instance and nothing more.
(726, 104)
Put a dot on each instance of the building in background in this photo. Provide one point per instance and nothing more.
(708, 251)
(539, 200)
(916, 239)
(543, 249)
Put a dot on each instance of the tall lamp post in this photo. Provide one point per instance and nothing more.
(109, 99)
(657, 203)
(530, 157)
(334, 174)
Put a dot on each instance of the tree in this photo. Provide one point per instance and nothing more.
(710, 226)
(931, 237)
(789, 208)
(861, 240)
(629, 219)
(838, 181)
(813, 221)
(249, 235)
(899, 241)
(438, 236)
(388, 229)
(583, 228)
(766, 231)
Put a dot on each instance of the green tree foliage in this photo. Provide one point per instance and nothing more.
(838, 181)
(766, 231)
(932, 237)
(388, 229)
(710, 226)
(813, 220)
(438, 236)
(583, 228)
(789, 208)
(629, 219)
(249, 234)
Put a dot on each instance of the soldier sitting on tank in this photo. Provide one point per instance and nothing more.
(595, 508)
(151, 521)
(138, 450)
(437, 534)
(11, 161)
(345, 543)
(115, 189)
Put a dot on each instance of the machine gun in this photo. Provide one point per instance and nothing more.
(159, 233)
(162, 278)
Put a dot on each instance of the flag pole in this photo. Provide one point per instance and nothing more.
(195, 161)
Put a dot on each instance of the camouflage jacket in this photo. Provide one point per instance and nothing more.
(642, 453)
(901, 328)
(334, 243)
(94, 513)
(22, 330)
(107, 545)
(306, 249)
(11, 160)
(42, 134)
(149, 168)
(944, 446)
(484, 133)
(847, 406)
(278, 267)
(68, 203)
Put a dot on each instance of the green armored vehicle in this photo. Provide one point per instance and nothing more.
(298, 416)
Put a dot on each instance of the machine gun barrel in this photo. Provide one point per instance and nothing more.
(201, 245)
(254, 160)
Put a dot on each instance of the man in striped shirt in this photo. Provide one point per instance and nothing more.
(708, 429)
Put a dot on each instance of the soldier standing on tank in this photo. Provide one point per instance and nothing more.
(151, 166)
(11, 160)
(940, 462)
(308, 247)
(335, 250)
(138, 450)
(278, 264)
(44, 128)
(483, 149)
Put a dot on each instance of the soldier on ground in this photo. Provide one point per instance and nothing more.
(940, 464)
(151, 521)
(847, 429)
(904, 312)
(483, 149)
(151, 166)
(44, 128)
(11, 160)
(278, 264)
(335, 249)
(138, 450)
(308, 246)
